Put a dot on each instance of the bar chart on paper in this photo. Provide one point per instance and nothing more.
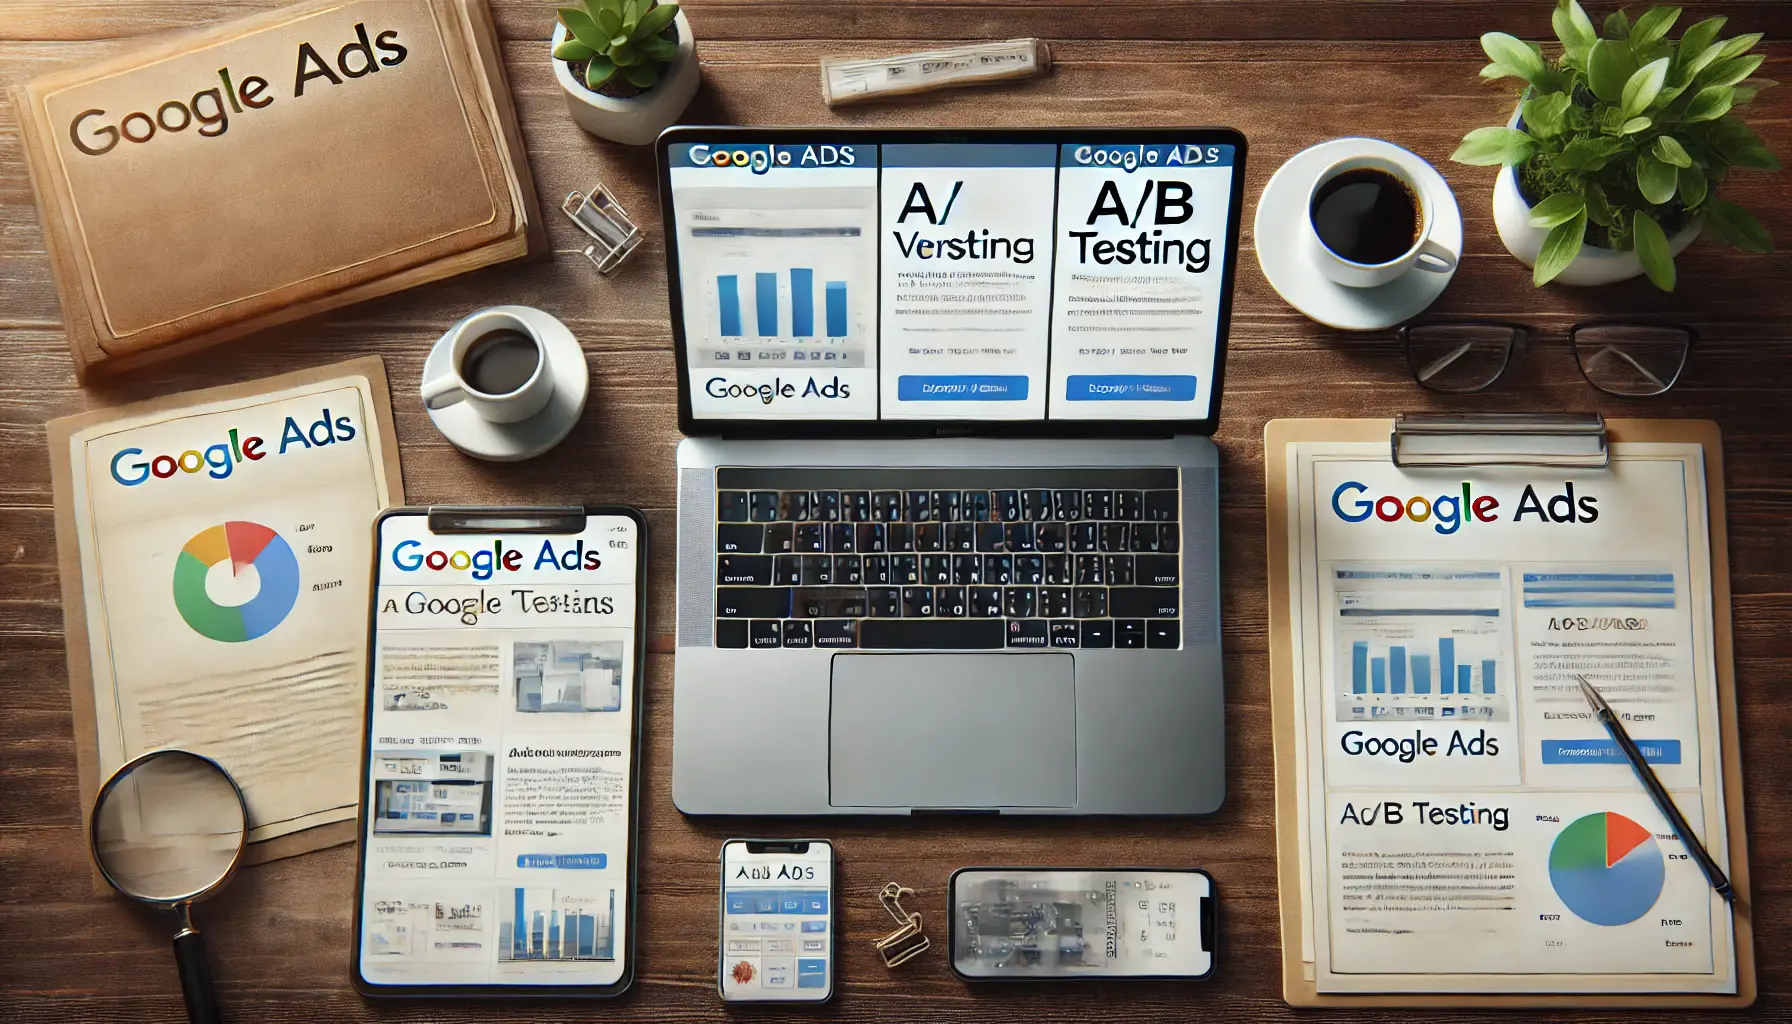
(1422, 644)
(543, 924)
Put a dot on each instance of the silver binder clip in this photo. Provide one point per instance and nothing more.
(598, 214)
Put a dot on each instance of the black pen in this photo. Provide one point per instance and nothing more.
(1657, 791)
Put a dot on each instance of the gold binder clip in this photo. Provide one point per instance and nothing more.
(907, 941)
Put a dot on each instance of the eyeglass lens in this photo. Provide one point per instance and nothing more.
(1634, 360)
(1459, 358)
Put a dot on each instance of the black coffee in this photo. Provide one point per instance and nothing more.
(500, 362)
(1366, 216)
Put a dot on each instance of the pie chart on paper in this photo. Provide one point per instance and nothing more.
(1607, 868)
(247, 548)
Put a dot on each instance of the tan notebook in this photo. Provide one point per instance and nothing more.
(273, 167)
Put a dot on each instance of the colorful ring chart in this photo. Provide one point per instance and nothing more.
(1607, 868)
(241, 543)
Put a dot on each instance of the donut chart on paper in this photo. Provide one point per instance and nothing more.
(241, 543)
(1607, 868)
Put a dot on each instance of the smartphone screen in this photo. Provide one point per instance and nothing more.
(502, 729)
(1053, 923)
(777, 942)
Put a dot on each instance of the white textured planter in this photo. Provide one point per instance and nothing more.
(1594, 265)
(637, 120)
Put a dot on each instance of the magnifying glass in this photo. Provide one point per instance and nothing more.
(168, 828)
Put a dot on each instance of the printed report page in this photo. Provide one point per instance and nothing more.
(966, 297)
(1470, 819)
(1141, 258)
(777, 268)
(497, 843)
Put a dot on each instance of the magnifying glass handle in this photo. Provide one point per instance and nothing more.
(195, 977)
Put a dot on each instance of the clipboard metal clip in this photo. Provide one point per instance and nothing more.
(598, 214)
(1572, 440)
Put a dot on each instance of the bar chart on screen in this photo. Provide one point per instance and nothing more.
(542, 923)
(1424, 644)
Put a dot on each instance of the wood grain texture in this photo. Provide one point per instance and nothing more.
(1288, 72)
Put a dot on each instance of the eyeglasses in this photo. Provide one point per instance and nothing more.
(1629, 360)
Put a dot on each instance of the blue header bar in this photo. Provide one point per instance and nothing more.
(1130, 157)
(760, 157)
(984, 154)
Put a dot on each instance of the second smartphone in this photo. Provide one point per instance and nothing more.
(777, 921)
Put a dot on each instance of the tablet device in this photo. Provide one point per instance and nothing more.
(501, 751)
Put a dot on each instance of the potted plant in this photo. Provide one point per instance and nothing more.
(1613, 161)
(628, 67)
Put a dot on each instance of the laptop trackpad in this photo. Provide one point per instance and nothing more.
(953, 730)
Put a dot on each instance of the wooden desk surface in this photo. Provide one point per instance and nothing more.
(1287, 72)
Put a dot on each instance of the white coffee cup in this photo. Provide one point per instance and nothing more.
(513, 406)
(1424, 253)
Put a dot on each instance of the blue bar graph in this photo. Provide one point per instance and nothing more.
(1462, 679)
(836, 293)
(1486, 677)
(571, 933)
(516, 934)
(538, 937)
(765, 302)
(802, 302)
(554, 932)
(1421, 673)
(1359, 667)
(728, 297)
(1396, 670)
(1446, 663)
(1378, 674)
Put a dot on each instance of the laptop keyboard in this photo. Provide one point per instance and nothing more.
(948, 559)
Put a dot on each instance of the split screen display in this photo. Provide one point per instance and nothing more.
(951, 281)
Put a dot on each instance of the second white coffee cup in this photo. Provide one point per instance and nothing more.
(499, 368)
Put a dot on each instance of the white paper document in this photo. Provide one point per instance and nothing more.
(1465, 818)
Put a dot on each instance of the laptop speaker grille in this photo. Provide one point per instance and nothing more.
(696, 560)
(1201, 585)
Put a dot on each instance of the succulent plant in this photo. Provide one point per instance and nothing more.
(618, 37)
(1627, 135)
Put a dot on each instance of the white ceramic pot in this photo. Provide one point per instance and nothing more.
(637, 120)
(1594, 265)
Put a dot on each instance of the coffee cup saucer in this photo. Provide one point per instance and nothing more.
(1278, 228)
(479, 437)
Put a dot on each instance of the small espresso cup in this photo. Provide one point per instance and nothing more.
(1425, 253)
(522, 389)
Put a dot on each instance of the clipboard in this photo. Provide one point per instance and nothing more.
(495, 825)
(1501, 439)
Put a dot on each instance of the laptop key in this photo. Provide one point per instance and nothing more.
(1085, 536)
(1090, 572)
(1029, 570)
(1035, 505)
(842, 537)
(1144, 602)
(1143, 537)
(998, 569)
(1120, 572)
(1156, 570)
(1028, 633)
(945, 506)
(1054, 602)
(1057, 570)
(731, 633)
(930, 537)
(797, 633)
(1091, 602)
(877, 571)
(1051, 537)
(951, 603)
(1020, 602)
(917, 602)
(744, 570)
(794, 506)
(1161, 506)
(905, 569)
(1129, 634)
(1064, 634)
(1163, 634)
(961, 537)
(883, 602)
(930, 634)
(752, 602)
(1008, 506)
(886, 506)
(899, 536)
(763, 633)
(1098, 505)
(1113, 536)
(849, 571)
(975, 506)
(1067, 506)
(747, 538)
(763, 507)
(1129, 504)
(871, 538)
(1019, 537)
(1169, 537)
(855, 506)
(836, 633)
(920, 507)
(816, 571)
(825, 506)
(992, 537)
(986, 602)
(779, 538)
(787, 570)
(936, 570)
(810, 538)
(731, 507)
(967, 569)
(1097, 633)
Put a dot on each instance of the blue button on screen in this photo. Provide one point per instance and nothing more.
(960, 388)
(1607, 752)
(1130, 387)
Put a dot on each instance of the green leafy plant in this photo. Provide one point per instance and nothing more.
(1625, 137)
(618, 38)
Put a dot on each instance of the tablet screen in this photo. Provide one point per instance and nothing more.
(906, 279)
(498, 798)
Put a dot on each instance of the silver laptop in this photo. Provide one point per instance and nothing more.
(947, 503)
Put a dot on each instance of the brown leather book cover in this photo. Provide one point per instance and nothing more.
(273, 167)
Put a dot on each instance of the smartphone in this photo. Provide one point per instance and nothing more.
(1096, 923)
(777, 921)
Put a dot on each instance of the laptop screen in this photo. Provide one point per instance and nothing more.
(931, 277)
